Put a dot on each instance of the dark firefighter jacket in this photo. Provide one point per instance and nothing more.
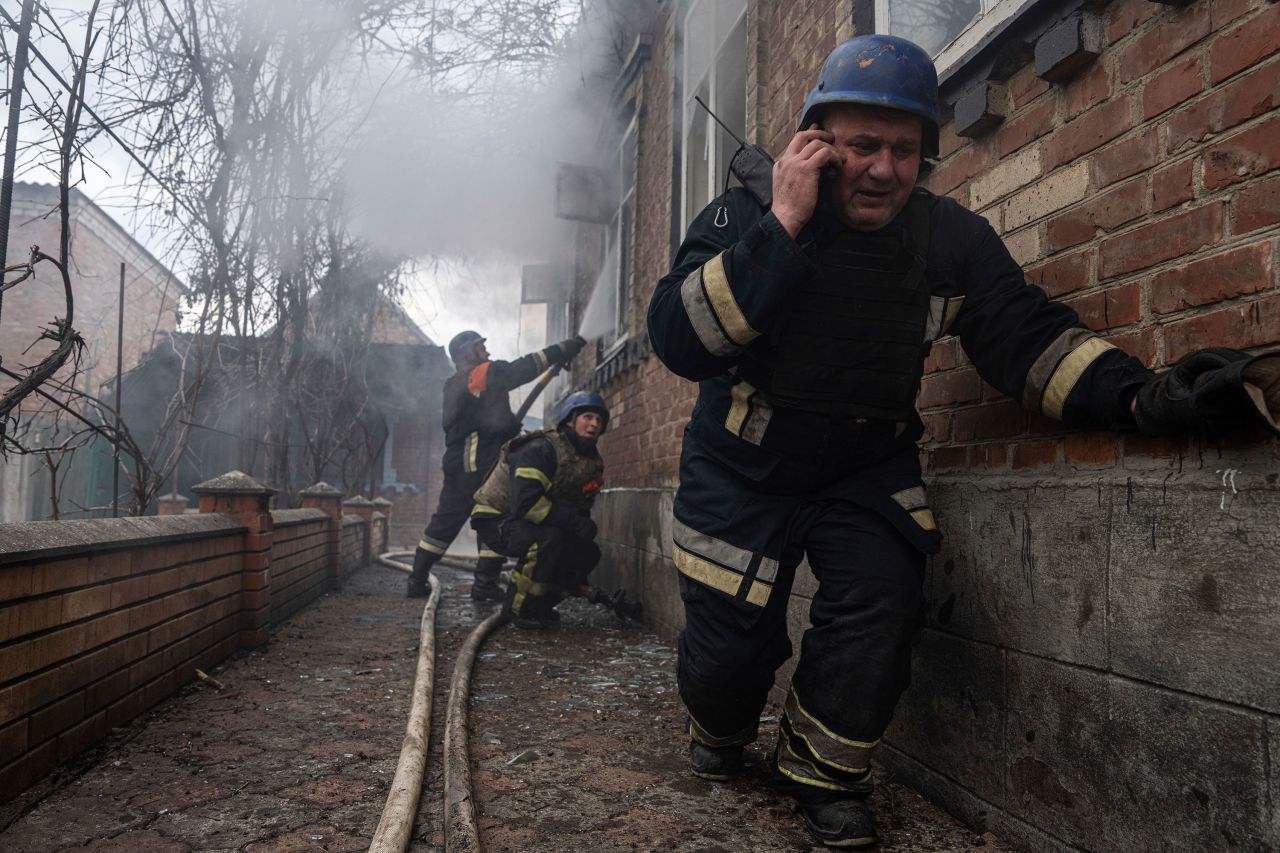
(477, 408)
(730, 283)
(545, 479)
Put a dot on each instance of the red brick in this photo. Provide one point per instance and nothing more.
(1164, 446)
(1246, 97)
(62, 574)
(988, 456)
(1090, 449)
(1246, 45)
(1024, 86)
(86, 602)
(1064, 274)
(1250, 152)
(937, 428)
(19, 774)
(1070, 229)
(1033, 454)
(1223, 12)
(1107, 309)
(1256, 206)
(1090, 88)
(1029, 126)
(947, 389)
(989, 421)
(1140, 344)
(1246, 270)
(82, 735)
(941, 357)
(1171, 185)
(16, 582)
(1172, 86)
(1089, 131)
(1183, 28)
(960, 167)
(1240, 326)
(1127, 157)
(60, 716)
(949, 457)
(1116, 207)
(1178, 235)
(1126, 16)
(13, 738)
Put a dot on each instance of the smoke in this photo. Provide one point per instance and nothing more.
(469, 176)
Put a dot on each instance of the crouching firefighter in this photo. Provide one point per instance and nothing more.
(477, 420)
(536, 507)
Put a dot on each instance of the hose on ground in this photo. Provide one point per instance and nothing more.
(460, 832)
(396, 826)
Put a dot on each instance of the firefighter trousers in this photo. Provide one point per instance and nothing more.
(452, 512)
(854, 660)
(552, 561)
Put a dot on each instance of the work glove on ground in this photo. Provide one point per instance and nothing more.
(571, 347)
(1212, 390)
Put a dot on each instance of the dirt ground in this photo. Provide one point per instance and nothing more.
(575, 734)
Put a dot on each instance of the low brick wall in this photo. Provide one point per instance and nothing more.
(355, 539)
(102, 619)
(299, 560)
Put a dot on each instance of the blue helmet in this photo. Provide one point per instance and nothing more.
(579, 400)
(883, 71)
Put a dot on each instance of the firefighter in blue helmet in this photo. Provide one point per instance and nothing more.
(806, 323)
(536, 506)
(477, 420)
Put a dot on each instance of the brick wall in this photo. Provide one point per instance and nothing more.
(1142, 193)
(299, 560)
(99, 620)
(1097, 670)
(102, 619)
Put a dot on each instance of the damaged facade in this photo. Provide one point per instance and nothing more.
(1099, 666)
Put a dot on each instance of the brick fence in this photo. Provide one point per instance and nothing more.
(102, 619)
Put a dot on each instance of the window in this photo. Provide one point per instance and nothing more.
(714, 68)
(947, 29)
(607, 313)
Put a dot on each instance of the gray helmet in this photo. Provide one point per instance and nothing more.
(463, 347)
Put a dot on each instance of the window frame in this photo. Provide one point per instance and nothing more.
(954, 57)
(620, 234)
(690, 112)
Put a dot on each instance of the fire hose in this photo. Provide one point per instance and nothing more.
(461, 834)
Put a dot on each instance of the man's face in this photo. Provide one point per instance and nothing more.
(881, 160)
(481, 351)
(587, 425)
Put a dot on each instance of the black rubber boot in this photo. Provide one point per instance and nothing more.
(536, 614)
(836, 818)
(719, 764)
(840, 821)
(423, 560)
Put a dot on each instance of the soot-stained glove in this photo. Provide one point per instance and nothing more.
(1212, 390)
(571, 347)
